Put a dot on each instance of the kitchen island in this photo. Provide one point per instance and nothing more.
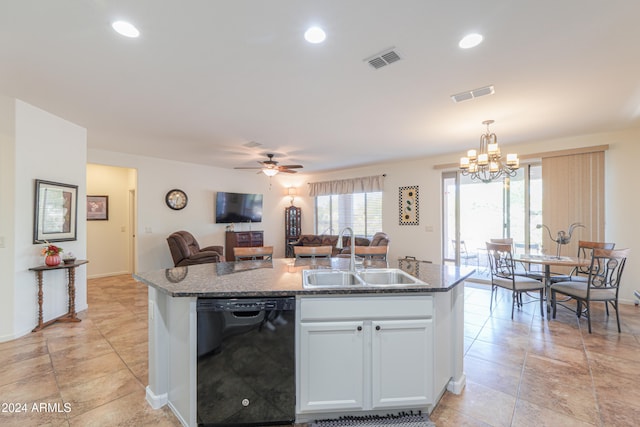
(406, 340)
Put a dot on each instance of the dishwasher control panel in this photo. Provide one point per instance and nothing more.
(246, 304)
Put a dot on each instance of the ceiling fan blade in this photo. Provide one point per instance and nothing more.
(272, 165)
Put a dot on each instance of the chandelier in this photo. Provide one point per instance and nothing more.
(486, 164)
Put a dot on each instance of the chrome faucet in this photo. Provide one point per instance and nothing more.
(352, 262)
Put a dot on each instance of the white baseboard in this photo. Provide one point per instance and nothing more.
(98, 276)
(456, 386)
(178, 416)
(154, 400)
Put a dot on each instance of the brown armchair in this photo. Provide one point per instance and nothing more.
(186, 251)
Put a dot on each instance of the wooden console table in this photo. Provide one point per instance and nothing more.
(70, 316)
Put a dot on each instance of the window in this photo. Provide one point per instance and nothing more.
(360, 211)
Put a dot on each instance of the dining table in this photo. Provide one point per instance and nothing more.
(547, 261)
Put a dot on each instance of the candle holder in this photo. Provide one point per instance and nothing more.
(562, 237)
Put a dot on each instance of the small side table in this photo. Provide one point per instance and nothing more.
(70, 316)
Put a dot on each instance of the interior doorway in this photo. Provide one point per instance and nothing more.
(111, 242)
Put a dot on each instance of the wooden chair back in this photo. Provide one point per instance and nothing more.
(606, 269)
(585, 250)
(313, 251)
(372, 252)
(256, 252)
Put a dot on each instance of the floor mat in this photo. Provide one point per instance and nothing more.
(403, 420)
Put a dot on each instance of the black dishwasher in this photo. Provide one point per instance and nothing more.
(246, 361)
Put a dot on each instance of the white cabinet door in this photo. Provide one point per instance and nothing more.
(331, 366)
(402, 363)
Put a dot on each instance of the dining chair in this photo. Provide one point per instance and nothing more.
(503, 276)
(581, 274)
(602, 285)
(585, 250)
(313, 251)
(522, 269)
(253, 253)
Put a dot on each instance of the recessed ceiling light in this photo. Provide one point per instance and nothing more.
(126, 29)
(470, 40)
(315, 35)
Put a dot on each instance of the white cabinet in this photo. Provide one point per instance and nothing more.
(402, 363)
(331, 372)
(364, 353)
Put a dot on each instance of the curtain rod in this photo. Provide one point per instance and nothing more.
(384, 174)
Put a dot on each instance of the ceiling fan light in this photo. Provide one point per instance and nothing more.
(270, 171)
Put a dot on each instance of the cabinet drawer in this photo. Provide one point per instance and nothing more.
(370, 307)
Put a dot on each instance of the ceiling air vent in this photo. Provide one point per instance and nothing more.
(251, 144)
(475, 93)
(383, 58)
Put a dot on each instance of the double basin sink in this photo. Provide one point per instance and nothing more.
(367, 277)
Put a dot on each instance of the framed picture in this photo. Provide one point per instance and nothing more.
(97, 208)
(55, 212)
(409, 205)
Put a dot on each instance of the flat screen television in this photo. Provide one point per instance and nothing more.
(238, 207)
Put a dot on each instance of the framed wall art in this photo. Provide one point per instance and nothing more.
(55, 212)
(409, 205)
(97, 208)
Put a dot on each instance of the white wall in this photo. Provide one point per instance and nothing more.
(7, 216)
(108, 241)
(156, 221)
(44, 147)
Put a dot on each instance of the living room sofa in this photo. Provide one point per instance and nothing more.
(329, 240)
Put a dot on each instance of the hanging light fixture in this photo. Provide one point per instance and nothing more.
(486, 164)
(270, 170)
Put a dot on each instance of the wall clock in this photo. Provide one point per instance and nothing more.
(176, 199)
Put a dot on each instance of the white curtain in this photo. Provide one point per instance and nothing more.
(367, 184)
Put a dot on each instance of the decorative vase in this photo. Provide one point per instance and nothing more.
(52, 260)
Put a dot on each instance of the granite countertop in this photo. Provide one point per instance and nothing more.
(283, 277)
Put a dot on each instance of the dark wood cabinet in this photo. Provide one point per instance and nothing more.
(243, 239)
(292, 228)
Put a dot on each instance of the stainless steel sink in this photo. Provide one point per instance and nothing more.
(330, 278)
(388, 277)
(367, 277)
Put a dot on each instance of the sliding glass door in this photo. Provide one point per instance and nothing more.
(474, 212)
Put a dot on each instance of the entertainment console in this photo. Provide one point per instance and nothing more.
(242, 239)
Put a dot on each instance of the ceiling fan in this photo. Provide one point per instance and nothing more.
(270, 167)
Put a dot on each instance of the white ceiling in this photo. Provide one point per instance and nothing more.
(206, 77)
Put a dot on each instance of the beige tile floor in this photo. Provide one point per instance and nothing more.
(523, 372)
